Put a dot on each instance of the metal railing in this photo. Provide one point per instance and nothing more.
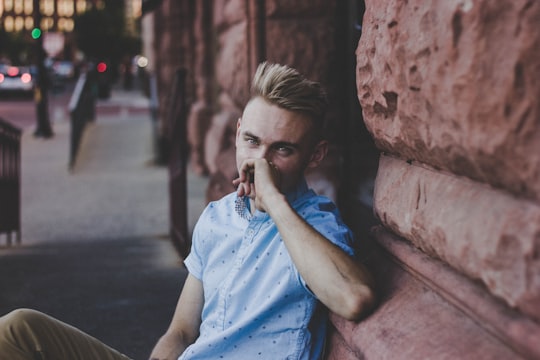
(10, 181)
(177, 119)
(82, 109)
(160, 157)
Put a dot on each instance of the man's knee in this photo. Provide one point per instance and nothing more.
(22, 316)
(20, 320)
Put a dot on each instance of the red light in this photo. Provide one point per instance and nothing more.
(101, 67)
(13, 71)
(1, 78)
(26, 78)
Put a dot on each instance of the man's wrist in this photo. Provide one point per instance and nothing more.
(275, 202)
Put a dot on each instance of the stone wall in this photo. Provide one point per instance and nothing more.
(173, 40)
(457, 90)
(450, 93)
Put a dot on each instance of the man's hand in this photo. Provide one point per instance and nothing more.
(258, 174)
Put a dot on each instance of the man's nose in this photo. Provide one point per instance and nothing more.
(263, 153)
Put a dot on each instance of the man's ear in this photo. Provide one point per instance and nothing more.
(319, 152)
(238, 129)
(238, 124)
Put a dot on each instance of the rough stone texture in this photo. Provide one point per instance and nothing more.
(201, 111)
(173, 27)
(454, 84)
(222, 131)
(227, 12)
(232, 62)
(432, 312)
(486, 233)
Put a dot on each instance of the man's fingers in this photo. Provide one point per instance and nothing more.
(266, 172)
(242, 189)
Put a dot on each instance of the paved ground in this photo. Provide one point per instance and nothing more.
(95, 251)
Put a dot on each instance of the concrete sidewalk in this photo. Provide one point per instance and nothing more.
(95, 250)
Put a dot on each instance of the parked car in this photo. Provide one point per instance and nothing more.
(16, 79)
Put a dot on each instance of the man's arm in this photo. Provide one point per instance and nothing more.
(338, 281)
(184, 327)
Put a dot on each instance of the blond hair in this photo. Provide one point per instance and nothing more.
(287, 88)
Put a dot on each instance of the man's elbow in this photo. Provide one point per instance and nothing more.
(359, 303)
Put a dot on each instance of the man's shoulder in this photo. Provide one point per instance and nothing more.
(224, 204)
(224, 201)
(314, 202)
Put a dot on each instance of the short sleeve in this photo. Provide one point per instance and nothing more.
(326, 219)
(195, 260)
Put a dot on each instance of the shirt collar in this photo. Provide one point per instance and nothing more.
(242, 206)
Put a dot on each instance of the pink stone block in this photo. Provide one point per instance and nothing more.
(429, 311)
(454, 84)
(485, 233)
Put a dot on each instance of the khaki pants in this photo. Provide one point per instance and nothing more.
(29, 334)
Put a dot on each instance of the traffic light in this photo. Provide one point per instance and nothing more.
(36, 33)
(101, 67)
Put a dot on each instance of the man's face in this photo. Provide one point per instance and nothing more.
(282, 137)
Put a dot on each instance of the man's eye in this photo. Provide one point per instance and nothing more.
(251, 141)
(284, 150)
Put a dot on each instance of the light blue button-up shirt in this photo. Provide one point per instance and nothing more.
(256, 304)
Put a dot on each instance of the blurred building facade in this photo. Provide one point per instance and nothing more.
(57, 15)
(56, 21)
(435, 161)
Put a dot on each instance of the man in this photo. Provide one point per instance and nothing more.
(263, 257)
(265, 261)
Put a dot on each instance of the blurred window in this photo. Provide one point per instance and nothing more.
(18, 7)
(48, 7)
(29, 23)
(65, 8)
(81, 6)
(8, 5)
(28, 7)
(8, 23)
(19, 23)
(65, 24)
(47, 23)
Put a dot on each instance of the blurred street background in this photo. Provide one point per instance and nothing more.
(95, 250)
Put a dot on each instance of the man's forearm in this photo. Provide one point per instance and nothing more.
(339, 282)
(169, 347)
